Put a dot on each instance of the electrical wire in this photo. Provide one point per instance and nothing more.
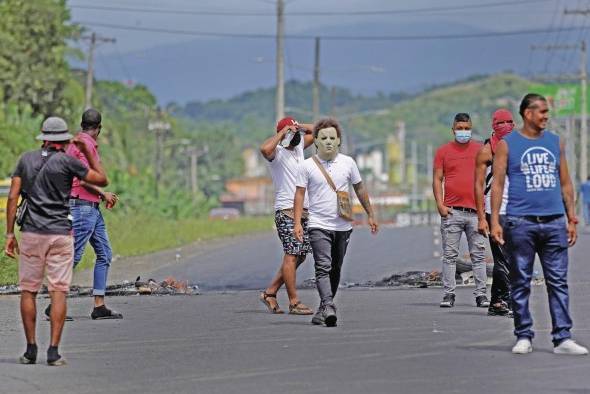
(334, 37)
(311, 13)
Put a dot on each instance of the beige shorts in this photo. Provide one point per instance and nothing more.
(40, 253)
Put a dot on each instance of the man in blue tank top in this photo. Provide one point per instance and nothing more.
(540, 219)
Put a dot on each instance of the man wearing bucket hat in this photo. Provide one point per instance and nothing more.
(284, 153)
(43, 178)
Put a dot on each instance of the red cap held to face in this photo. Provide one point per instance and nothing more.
(501, 115)
(288, 121)
(502, 124)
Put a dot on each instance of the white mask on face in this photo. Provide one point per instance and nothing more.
(462, 136)
(327, 143)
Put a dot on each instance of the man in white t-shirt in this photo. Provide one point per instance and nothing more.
(502, 124)
(329, 233)
(284, 153)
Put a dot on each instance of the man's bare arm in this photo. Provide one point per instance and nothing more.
(363, 196)
(269, 146)
(499, 172)
(12, 202)
(567, 188)
(298, 212)
(481, 164)
(308, 137)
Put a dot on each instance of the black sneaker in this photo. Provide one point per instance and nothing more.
(482, 301)
(448, 301)
(500, 309)
(48, 314)
(318, 318)
(55, 359)
(30, 356)
(104, 313)
(330, 317)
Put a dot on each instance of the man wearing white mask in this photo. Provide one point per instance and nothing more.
(327, 178)
(453, 186)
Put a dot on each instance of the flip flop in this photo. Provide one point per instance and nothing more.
(264, 299)
(299, 309)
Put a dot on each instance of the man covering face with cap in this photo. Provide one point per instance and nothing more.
(323, 177)
(284, 153)
(43, 178)
(502, 125)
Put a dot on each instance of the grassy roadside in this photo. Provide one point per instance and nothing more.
(141, 234)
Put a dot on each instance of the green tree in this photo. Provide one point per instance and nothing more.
(33, 69)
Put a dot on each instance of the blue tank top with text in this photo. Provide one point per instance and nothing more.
(533, 170)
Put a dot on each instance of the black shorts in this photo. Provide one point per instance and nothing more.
(291, 245)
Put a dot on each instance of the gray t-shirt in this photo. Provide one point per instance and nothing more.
(48, 209)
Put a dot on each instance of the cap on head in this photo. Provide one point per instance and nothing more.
(91, 119)
(501, 115)
(288, 121)
(54, 129)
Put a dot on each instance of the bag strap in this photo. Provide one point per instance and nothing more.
(34, 180)
(326, 175)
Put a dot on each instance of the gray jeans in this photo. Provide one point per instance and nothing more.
(451, 228)
(329, 249)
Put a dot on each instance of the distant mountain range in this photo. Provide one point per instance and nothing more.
(206, 68)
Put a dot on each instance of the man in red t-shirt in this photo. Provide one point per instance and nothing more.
(453, 184)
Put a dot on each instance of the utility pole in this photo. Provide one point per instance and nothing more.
(429, 169)
(414, 146)
(194, 155)
(401, 137)
(316, 82)
(584, 125)
(160, 128)
(280, 98)
(583, 78)
(94, 39)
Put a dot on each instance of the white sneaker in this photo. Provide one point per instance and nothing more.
(570, 347)
(522, 346)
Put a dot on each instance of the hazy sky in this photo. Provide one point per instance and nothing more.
(371, 66)
(518, 16)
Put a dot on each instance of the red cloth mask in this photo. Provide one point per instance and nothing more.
(502, 123)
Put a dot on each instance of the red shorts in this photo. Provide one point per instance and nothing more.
(40, 253)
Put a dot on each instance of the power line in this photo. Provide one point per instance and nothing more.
(336, 37)
(311, 13)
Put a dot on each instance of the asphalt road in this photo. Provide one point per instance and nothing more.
(387, 340)
(251, 262)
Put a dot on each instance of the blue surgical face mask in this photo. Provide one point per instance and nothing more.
(462, 136)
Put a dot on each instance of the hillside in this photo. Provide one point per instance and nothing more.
(427, 115)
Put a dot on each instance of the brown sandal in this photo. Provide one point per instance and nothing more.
(299, 309)
(272, 309)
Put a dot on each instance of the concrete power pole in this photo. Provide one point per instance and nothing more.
(584, 125)
(316, 82)
(280, 98)
(94, 39)
(414, 146)
(160, 128)
(401, 137)
(583, 78)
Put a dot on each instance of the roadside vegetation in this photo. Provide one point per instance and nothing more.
(141, 234)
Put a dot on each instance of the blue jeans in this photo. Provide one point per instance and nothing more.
(524, 239)
(89, 226)
(586, 211)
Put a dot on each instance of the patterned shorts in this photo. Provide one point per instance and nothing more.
(291, 245)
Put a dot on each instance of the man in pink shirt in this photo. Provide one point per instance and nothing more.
(88, 223)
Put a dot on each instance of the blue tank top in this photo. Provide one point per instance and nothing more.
(533, 170)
